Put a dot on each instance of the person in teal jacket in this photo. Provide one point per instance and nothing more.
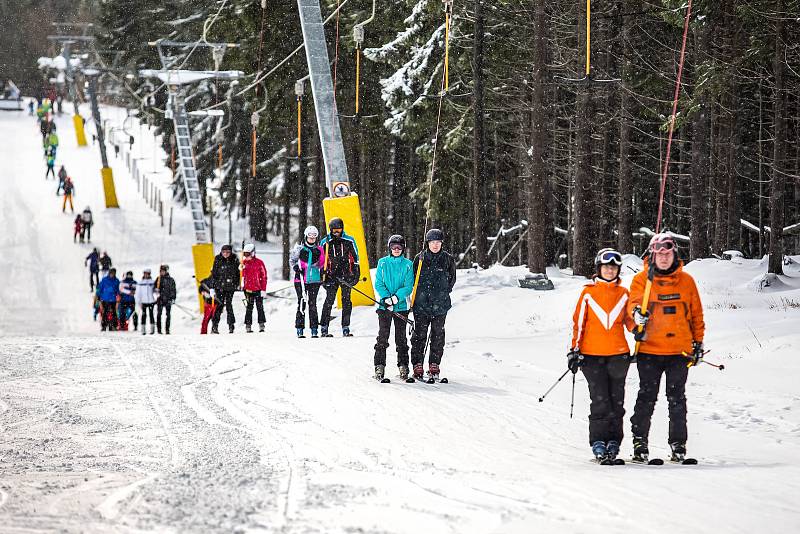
(394, 282)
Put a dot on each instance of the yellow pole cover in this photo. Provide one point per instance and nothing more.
(349, 210)
(203, 255)
(77, 121)
(108, 187)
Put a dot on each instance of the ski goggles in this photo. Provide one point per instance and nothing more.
(396, 247)
(611, 256)
(663, 246)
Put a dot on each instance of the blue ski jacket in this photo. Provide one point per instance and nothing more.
(108, 289)
(395, 276)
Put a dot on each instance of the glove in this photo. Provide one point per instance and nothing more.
(640, 318)
(574, 360)
(213, 293)
(697, 352)
(394, 299)
(297, 270)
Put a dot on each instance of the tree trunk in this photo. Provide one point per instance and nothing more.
(302, 189)
(287, 205)
(318, 191)
(479, 142)
(776, 217)
(537, 187)
(625, 179)
(701, 128)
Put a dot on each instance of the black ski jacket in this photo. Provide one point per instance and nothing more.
(167, 292)
(225, 273)
(436, 281)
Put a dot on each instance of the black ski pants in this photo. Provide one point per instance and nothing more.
(330, 298)
(108, 319)
(165, 307)
(254, 298)
(385, 320)
(127, 310)
(606, 378)
(420, 338)
(86, 232)
(311, 306)
(224, 301)
(147, 308)
(651, 367)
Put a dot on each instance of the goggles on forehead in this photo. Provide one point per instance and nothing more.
(663, 246)
(611, 256)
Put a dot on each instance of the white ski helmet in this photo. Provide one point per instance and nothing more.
(249, 248)
(310, 230)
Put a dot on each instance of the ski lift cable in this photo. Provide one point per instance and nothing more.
(665, 170)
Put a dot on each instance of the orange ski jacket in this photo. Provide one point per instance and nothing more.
(676, 313)
(600, 318)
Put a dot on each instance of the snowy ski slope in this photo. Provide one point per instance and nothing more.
(266, 433)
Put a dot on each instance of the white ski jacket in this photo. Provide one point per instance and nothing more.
(145, 293)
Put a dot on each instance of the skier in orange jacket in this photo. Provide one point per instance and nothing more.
(670, 339)
(600, 350)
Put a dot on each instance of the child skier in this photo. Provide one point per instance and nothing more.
(670, 334)
(600, 350)
(206, 289)
(127, 302)
(394, 282)
(77, 229)
(436, 276)
(306, 261)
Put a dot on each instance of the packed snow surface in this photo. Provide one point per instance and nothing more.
(118, 432)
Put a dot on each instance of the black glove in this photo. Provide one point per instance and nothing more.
(641, 319)
(697, 352)
(574, 360)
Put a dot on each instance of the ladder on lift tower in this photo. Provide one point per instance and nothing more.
(188, 172)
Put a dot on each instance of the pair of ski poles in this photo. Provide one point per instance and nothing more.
(572, 402)
(400, 316)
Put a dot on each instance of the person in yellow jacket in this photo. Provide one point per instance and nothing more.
(600, 351)
(670, 335)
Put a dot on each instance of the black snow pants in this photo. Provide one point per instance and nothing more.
(420, 338)
(254, 298)
(651, 367)
(385, 320)
(167, 308)
(330, 298)
(606, 378)
(147, 308)
(224, 302)
(311, 306)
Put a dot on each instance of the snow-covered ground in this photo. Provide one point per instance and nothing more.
(266, 433)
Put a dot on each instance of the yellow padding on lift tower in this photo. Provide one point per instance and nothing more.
(108, 187)
(77, 120)
(349, 210)
(203, 255)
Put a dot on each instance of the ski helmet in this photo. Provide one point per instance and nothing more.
(249, 248)
(608, 256)
(129, 273)
(662, 241)
(336, 224)
(311, 230)
(434, 234)
(396, 239)
(226, 247)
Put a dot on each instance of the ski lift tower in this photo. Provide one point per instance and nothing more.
(175, 79)
(67, 42)
(342, 202)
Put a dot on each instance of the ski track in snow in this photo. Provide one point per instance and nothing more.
(120, 432)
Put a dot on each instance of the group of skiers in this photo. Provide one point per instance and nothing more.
(664, 312)
(422, 286)
(82, 226)
(47, 127)
(120, 301)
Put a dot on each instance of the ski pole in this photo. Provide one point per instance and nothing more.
(394, 313)
(690, 364)
(546, 393)
(572, 402)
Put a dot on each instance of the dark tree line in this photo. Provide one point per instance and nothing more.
(519, 137)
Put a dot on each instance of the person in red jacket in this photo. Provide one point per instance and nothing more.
(254, 283)
(600, 350)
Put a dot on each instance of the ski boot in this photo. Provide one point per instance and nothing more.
(418, 370)
(403, 369)
(248, 329)
(230, 329)
(300, 333)
(144, 331)
(433, 373)
(640, 451)
(612, 448)
(346, 332)
(325, 332)
(261, 327)
(314, 333)
(679, 454)
(152, 329)
(166, 332)
(379, 374)
(600, 452)
(214, 329)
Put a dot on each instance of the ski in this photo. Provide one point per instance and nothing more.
(433, 380)
(602, 461)
(685, 461)
(409, 380)
(645, 461)
(383, 380)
